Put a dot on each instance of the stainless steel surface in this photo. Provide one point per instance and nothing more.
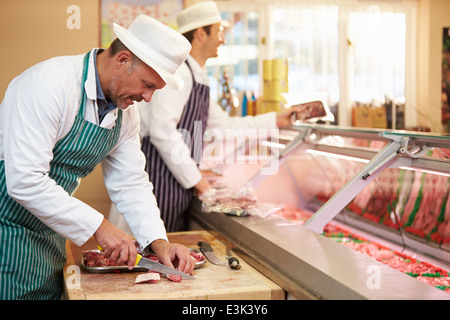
(310, 266)
(305, 263)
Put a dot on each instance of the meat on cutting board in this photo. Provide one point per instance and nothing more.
(149, 277)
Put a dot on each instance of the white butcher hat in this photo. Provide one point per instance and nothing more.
(157, 45)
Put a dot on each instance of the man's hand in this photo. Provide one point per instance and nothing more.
(202, 186)
(116, 243)
(284, 117)
(173, 255)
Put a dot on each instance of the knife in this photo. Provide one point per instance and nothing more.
(206, 249)
(158, 267)
(233, 262)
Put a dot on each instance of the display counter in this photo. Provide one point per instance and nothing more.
(388, 187)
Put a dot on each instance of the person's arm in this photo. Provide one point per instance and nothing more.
(132, 192)
(159, 121)
(219, 119)
(202, 186)
(128, 184)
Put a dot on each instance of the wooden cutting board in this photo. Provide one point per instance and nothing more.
(212, 281)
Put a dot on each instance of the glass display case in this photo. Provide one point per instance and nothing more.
(408, 200)
(382, 193)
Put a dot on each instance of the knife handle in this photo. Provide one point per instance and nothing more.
(204, 246)
(234, 263)
(138, 258)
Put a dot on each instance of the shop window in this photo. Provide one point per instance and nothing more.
(355, 52)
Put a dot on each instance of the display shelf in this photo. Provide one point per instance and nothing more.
(398, 149)
(378, 182)
(308, 265)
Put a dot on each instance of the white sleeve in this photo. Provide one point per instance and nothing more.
(128, 184)
(160, 118)
(33, 109)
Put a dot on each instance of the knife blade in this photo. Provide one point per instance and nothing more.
(158, 267)
(207, 250)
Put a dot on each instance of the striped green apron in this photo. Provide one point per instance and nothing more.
(32, 256)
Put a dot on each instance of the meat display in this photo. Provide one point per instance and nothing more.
(414, 201)
(420, 270)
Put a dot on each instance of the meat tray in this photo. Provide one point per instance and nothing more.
(119, 269)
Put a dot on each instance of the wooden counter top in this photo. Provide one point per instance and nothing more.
(212, 281)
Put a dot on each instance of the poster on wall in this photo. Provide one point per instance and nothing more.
(446, 80)
(123, 12)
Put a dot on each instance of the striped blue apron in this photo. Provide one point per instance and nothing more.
(173, 200)
(32, 256)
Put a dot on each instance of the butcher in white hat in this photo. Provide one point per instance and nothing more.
(172, 112)
(58, 120)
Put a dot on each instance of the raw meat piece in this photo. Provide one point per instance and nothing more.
(407, 216)
(426, 217)
(383, 192)
(149, 277)
(97, 259)
(229, 201)
(291, 213)
(197, 256)
(435, 281)
(444, 227)
(152, 257)
(174, 278)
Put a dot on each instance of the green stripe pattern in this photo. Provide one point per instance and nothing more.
(32, 256)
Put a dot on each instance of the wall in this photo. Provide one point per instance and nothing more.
(33, 31)
(434, 15)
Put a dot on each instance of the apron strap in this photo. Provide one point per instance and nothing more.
(82, 109)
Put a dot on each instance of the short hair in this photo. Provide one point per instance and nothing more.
(190, 34)
(116, 46)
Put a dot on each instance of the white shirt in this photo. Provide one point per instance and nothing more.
(38, 110)
(160, 117)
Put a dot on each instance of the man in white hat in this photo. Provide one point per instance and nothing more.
(171, 112)
(58, 120)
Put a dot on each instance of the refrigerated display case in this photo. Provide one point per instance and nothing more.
(350, 213)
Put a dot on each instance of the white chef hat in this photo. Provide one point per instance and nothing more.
(199, 15)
